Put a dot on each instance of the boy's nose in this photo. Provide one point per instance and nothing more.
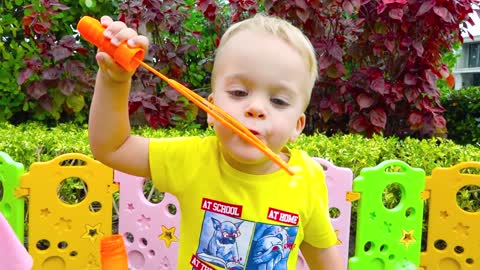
(255, 112)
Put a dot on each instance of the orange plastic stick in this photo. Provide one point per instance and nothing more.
(113, 254)
(130, 58)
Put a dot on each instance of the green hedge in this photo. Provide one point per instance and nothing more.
(463, 115)
(31, 142)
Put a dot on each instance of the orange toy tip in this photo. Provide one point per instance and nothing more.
(92, 30)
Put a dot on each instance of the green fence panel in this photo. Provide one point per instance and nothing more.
(388, 236)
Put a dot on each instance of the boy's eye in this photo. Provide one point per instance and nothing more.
(238, 93)
(279, 102)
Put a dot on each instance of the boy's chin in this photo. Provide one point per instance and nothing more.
(247, 155)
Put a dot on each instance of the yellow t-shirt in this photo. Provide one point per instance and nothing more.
(234, 220)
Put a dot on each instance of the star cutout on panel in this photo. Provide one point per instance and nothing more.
(407, 238)
(64, 224)
(92, 232)
(462, 229)
(338, 239)
(144, 222)
(168, 235)
(130, 207)
(443, 214)
(45, 212)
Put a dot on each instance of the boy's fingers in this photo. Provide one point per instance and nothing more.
(123, 35)
(106, 20)
(138, 41)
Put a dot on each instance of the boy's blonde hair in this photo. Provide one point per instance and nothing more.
(279, 28)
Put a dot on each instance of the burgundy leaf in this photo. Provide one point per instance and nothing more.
(364, 101)
(348, 7)
(444, 71)
(430, 77)
(396, 14)
(51, 73)
(443, 13)
(172, 94)
(66, 87)
(378, 85)
(439, 122)
(425, 7)
(46, 102)
(359, 124)
(41, 27)
(36, 89)
(410, 79)
(300, 4)
(23, 75)
(378, 117)
(59, 53)
(415, 119)
(389, 44)
(417, 45)
(411, 94)
(68, 42)
(381, 8)
(303, 14)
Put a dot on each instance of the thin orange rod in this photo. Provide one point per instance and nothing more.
(222, 117)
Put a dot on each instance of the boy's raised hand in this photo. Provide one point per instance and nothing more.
(118, 33)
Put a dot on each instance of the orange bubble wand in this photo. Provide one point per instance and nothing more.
(130, 58)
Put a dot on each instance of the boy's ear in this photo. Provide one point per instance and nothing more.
(299, 127)
(209, 117)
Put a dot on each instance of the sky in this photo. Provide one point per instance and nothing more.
(475, 29)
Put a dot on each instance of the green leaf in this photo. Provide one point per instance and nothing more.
(75, 102)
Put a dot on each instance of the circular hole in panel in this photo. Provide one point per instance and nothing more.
(73, 162)
(1, 190)
(391, 257)
(43, 244)
(440, 244)
(392, 195)
(129, 237)
(151, 193)
(172, 209)
(410, 212)
(151, 252)
(62, 245)
(334, 212)
(7, 210)
(368, 246)
(458, 249)
(469, 261)
(383, 248)
(143, 242)
(73, 253)
(467, 198)
(95, 206)
(72, 190)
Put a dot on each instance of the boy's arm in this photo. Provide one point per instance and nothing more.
(109, 125)
(321, 258)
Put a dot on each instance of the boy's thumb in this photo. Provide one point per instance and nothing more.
(105, 61)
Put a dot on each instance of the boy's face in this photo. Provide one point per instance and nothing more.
(262, 82)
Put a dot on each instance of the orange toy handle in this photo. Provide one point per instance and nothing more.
(113, 254)
(92, 30)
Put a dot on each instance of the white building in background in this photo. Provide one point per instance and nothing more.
(467, 69)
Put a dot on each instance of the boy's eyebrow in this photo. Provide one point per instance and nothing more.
(279, 85)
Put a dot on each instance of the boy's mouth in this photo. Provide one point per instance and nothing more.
(254, 132)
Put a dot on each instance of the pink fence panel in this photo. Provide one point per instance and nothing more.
(151, 232)
(339, 183)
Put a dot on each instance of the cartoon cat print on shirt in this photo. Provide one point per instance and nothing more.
(223, 242)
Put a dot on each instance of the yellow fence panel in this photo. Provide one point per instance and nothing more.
(65, 232)
(453, 234)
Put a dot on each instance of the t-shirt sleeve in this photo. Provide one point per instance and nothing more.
(318, 230)
(174, 161)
